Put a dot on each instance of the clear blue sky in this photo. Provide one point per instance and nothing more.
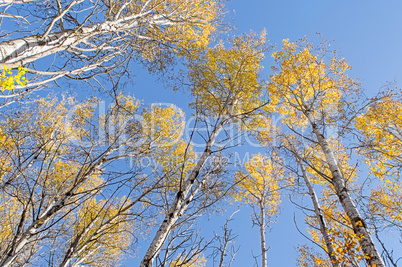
(367, 33)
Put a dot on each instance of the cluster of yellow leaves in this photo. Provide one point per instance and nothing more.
(8, 80)
(199, 23)
(226, 80)
(198, 261)
(262, 127)
(64, 175)
(55, 119)
(104, 231)
(44, 124)
(9, 207)
(381, 126)
(176, 161)
(386, 202)
(7, 148)
(318, 167)
(163, 125)
(188, 24)
(260, 183)
(174, 157)
(305, 82)
(344, 241)
(309, 258)
(120, 122)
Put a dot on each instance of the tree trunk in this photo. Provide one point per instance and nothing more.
(25, 50)
(180, 203)
(320, 217)
(262, 235)
(372, 256)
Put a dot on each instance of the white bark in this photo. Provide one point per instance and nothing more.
(85, 43)
(262, 235)
(359, 226)
(320, 217)
(25, 50)
(181, 201)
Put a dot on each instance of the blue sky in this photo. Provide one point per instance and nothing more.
(366, 33)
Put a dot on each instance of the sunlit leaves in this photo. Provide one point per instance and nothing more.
(55, 154)
(310, 258)
(306, 79)
(198, 261)
(102, 231)
(187, 25)
(9, 80)
(226, 80)
(343, 240)
(319, 170)
(9, 207)
(386, 203)
(381, 126)
(163, 125)
(260, 183)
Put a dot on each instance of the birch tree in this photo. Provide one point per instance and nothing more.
(319, 215)
(329, 227)
(380, 144)
(313, 95)
(81, 39)
(225, 86)
(63, 200)
(259, 186)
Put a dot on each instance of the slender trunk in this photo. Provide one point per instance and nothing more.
(262, 235)
(320, 217)
(180, 203)
(372, 256)
(223, 254)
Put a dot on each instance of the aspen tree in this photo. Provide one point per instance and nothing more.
(313, 95)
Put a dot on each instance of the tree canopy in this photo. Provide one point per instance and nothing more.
(93, 179)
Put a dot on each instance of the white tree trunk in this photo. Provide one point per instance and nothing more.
(180, 203)
(262, 235)
(320, 217)
(25, 50)
(373, 258)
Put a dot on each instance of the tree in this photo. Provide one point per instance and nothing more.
(319, 215)
(61, 179)
(80, 39)
(337, 238)
(259, 187)
(327, 226)
(225, 86)
(312, 96)
(379, 128)
(380, 143)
